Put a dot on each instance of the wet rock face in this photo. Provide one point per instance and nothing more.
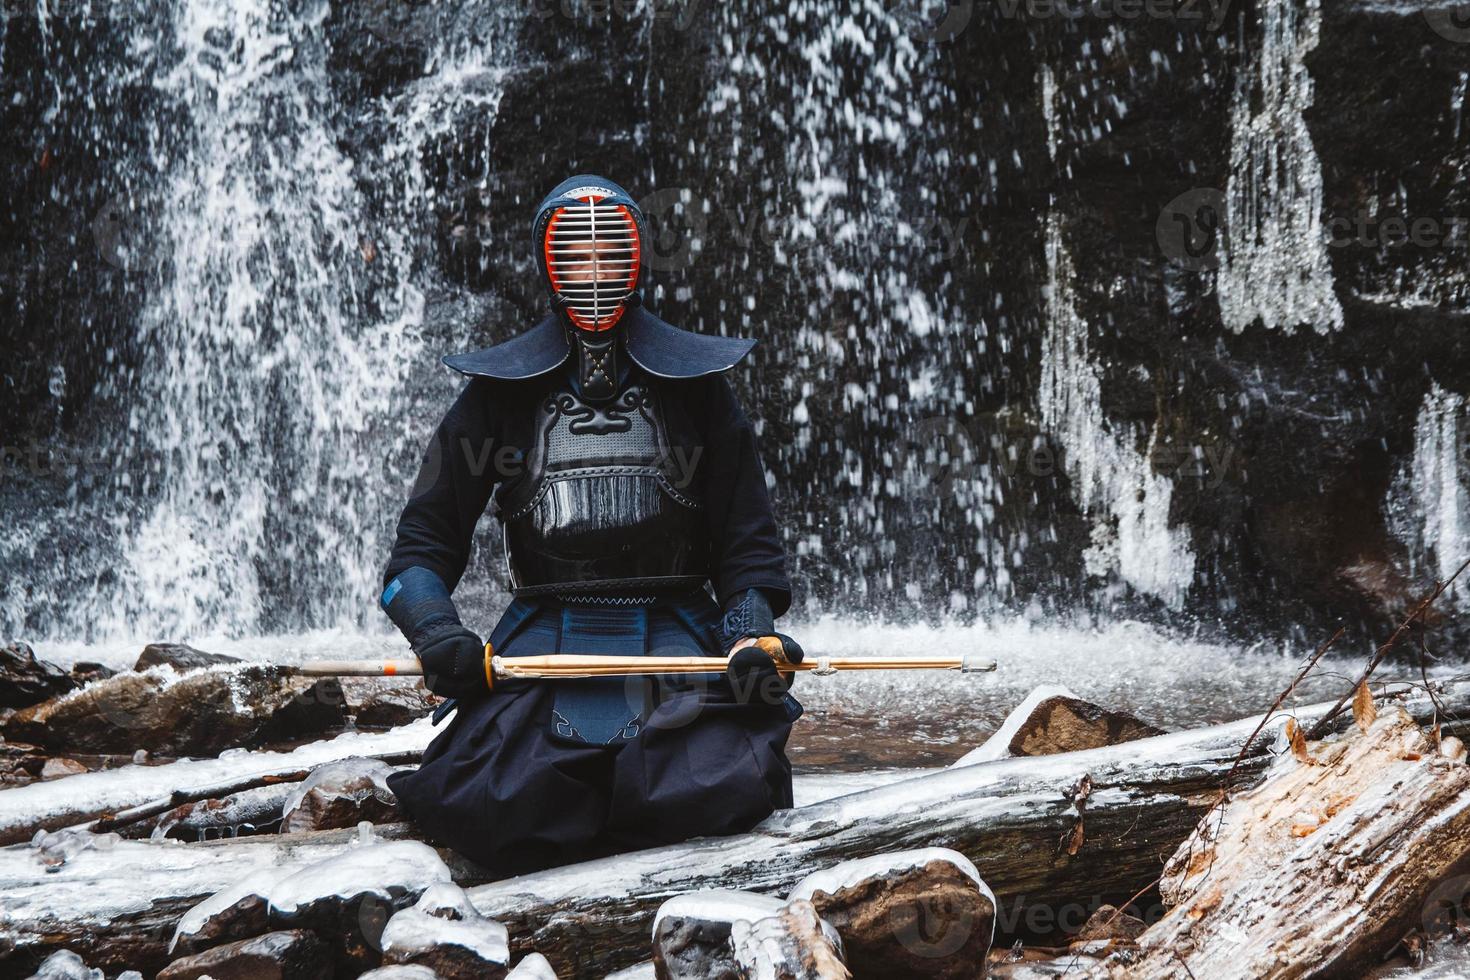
(385, 706)
(341, 794)
(790, 945)
(910, 914)
(691, 933)
(25, 680)
(288, 955)
(444, 932)
(199, 713)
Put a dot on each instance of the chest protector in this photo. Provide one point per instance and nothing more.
(605, 506)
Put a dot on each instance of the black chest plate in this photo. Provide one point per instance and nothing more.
(605, 504)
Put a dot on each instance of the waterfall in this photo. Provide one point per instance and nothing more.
(267, 384)
(1112, 480)
(265, 438)
(1436, 484)
(1275, 267)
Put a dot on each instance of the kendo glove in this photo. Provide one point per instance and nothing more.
(752, 672)
(452, 656)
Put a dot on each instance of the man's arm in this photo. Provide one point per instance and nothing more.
(745, 547)
(748, 563)
(432, 548)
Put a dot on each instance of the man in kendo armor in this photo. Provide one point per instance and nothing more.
(626, 480)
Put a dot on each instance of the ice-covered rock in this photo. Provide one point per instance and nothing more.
(341, 794)
(26, 680)
(200, 712)
(400, 972)
(55, 849)
(790, 945)
(691, 933)
(250, 811)
(393, 871)
(65, 965)
(287, 955)
(179, 656)
(347, 898)
(237, 911)
(923, 913)
(1052, 719)
(444, 932)
(534, 966)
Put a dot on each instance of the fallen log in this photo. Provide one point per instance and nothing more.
(1015, 819)
(138, 792)
(119, 907)
(1321, 869)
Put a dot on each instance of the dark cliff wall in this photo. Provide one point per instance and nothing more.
(915, 219)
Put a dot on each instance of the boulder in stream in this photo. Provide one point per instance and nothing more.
(26, 680)
(922, 913)
(202, 712)
(179, 656)
(250, 811)
(1050, 720)
(391, 706)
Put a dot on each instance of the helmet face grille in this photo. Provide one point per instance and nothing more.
(592, 258)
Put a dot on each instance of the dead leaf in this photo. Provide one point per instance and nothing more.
(1298, 741)
(1364, 712)
(1411, 757)
(1303, 829)
(1339, 803)
(1077, 838)
(1435, 736)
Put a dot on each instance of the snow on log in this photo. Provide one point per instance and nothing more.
(156, 790)
(1008, 817)
(1321, 868)
(85, 797)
